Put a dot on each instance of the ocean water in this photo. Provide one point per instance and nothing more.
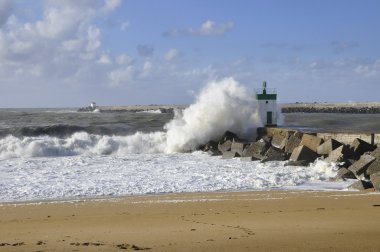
(332, 122)
(59, 154)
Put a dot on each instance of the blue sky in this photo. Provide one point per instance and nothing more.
(67, 53)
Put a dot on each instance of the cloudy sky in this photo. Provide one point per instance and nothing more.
(66, 53)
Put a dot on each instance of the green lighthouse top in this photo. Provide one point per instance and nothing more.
(266, 94)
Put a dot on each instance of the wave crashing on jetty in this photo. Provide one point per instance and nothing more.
(221, 105)
(39, 164)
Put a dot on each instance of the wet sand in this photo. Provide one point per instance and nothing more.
(242, 221)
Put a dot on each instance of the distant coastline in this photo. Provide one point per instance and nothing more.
(134, 108)
(351, 108)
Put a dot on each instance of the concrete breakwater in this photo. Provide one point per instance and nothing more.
(357, 155)
(352, 108)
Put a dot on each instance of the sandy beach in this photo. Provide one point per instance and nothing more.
(221, 221)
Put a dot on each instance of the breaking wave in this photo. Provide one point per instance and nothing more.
(62, 130)
(220, 106)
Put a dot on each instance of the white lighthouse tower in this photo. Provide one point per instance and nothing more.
(267, 105)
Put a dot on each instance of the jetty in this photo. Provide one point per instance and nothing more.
(350, 107)
(133, 108)
(356, 154)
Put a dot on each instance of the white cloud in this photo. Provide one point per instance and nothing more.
(104, 59)
(369, 70)
(208, 28)
(318, 65)
(172, 54)
(208, 72)
(63, 46)
(147, 69)
(125, 25)
(110, 5)
(72, 45)
(93, 36)
(62, 19)
(121, 76)
(124, 59)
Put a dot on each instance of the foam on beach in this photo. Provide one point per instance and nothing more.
(137, 174)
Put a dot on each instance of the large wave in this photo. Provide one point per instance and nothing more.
(220, 106)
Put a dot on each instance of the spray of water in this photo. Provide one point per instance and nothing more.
(223, 105)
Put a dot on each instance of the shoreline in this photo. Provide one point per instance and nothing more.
(216, 221)
(84, 199)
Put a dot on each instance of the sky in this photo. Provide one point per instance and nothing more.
(67, 53)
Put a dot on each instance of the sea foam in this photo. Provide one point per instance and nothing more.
(134, 174)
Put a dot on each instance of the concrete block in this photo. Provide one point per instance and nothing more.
(344, 173)
(328, 146)
(266, 139)
(298, 134)
(360, 147)
(279, 141)
(238, 147)
(376, 139)
(375, 179)
(359, 167)
(346, 138)
(225, 146)
(311, 141)
(229, 155)
(376, 153)
(256, 149)
(268, 131)
(340, 154)
(292, 143)
(275, 154)
(361, 185)
(374, 167)
(303, 153)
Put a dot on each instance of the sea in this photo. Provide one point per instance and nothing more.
(61, 154)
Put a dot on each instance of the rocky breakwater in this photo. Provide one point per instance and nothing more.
(358, 161)
(349, 108)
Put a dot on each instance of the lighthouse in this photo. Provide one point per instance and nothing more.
(267, 105)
